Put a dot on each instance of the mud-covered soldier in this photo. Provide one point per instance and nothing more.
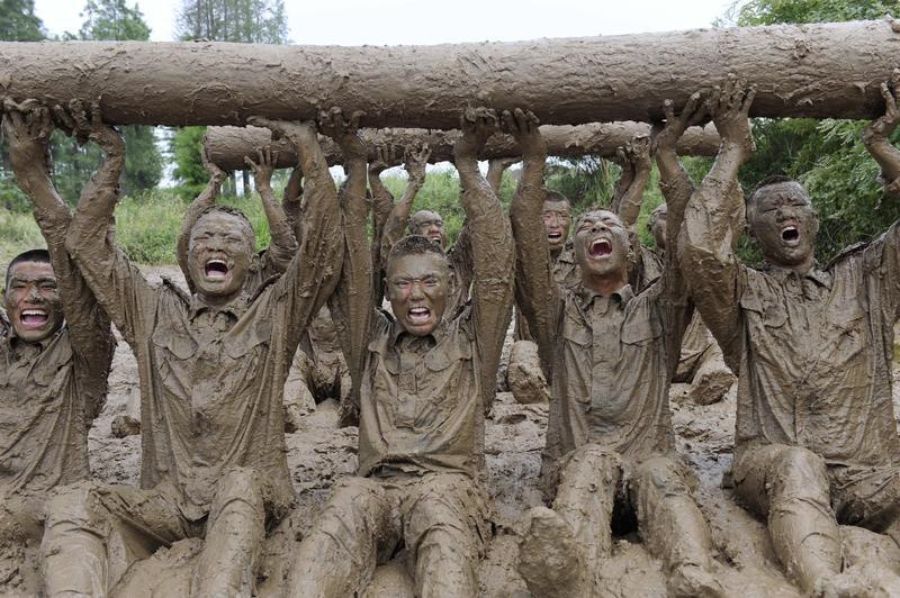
(271, 261)
(212, 368)
(388, 214)
(816, 440)
(496, 168)
(427, 380)
(610, 442)
(55, 354)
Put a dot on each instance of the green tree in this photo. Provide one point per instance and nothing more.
(18, 23)
(186, 145)
(826, 156)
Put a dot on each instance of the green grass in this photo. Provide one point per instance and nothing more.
(18, 232)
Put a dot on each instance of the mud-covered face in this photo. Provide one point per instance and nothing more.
(557, 217)
(417, 287)
(601, 244)
(784, 223)
(32, 301)
(221, 250)
(428, 224)
(658, 225)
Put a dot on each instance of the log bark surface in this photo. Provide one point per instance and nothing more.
(227, 146)
(818, 70)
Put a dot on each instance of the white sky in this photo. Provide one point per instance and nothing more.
(358, 22)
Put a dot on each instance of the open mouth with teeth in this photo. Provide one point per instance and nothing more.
(600, 248)
(216, 270)
(554, 237)
(33, 318)
(419, 315)
(790, 235)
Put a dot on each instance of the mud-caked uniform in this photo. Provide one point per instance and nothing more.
(51, 391)
(814, 352)
(421, 436)
(211, 381)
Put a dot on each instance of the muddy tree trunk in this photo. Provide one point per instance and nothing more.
(819, 70)
(227, 146)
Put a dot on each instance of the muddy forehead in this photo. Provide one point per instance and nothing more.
(423, 216)
(780, 192)
(598, 215)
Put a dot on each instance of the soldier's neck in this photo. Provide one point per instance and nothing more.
(606, 284)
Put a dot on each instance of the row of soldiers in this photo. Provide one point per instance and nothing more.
(816, 441)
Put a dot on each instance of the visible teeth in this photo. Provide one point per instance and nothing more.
(33, 312)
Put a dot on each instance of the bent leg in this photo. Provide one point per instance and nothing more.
(564, 547)
(789, 485)
(673, 527)
(444, 519)
(338, 556)
(234, 536)
(93, 533)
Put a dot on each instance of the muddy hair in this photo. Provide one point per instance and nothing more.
(233, 212)
(551, 195)
(770, 181)
(41, 256)
(415, 245)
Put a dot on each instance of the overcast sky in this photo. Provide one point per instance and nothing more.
(358, 22)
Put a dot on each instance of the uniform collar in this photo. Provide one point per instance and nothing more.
(236, 308)
(621, 297)
(818, 276)
(397, 331)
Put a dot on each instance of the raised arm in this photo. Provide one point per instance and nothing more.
(292, 199)
(386, 156)
(117, 284)
(27, 130)
(496, 168)
(491, 245)
(674, 181)
(415, 160)
(705, 246)
(313, 272)
(877, 139)
(537, 294)
(283, 243)
(636, 154)
(206, 199)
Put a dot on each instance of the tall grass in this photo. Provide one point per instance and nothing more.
(18, 232)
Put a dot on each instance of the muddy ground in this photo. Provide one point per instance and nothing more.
(319, 453)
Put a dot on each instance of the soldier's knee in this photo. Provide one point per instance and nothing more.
(592, 458)
(663, 474)
(75, 505)
(358, 495)
(798, 473)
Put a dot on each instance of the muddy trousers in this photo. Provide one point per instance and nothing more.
(804, 499)
(94, 533)
(657, 490)
(438, 517)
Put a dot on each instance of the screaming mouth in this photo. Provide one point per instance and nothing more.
(600, 248)
(790, 235)
(216, 270)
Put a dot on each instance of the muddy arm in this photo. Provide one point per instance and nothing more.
(283, 245)
(705, 253)
(291, 200)
(351, 304)
(395, 227)
(27, 130)
(496, 168)
(876, 138)
(637, 155)
(313, 272)
(117, 284)
(536, 292)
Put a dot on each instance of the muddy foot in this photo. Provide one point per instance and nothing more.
(549, 560)
(691, 581)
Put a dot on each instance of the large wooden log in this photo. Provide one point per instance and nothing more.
(227, 146)
(819, 70)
